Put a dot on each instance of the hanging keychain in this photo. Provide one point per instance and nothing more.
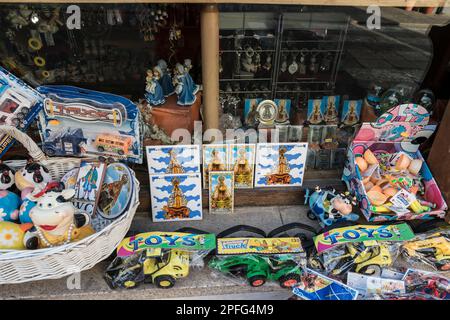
(293, 67)
(313, 67)
(284, 64)
(302, 66)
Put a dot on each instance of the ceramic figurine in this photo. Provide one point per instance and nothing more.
(166, 80)
(185, 88)
(33, 175)
(154, 95)
(9, 206)
(55, 221)
(12, 235)
(6, 177)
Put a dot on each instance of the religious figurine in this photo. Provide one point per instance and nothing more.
(331, 113)
(177, 204)
(166, 80)
(185, 87)
(316, 115)
(154, 95)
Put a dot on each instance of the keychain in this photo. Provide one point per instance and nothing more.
(293, 67)
(302, 67)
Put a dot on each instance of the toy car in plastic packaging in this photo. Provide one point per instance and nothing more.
(432, 248)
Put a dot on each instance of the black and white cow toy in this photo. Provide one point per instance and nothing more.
(56, 221)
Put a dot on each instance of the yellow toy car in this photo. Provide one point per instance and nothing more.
(367, 257)
(159, 266)
(433, 249)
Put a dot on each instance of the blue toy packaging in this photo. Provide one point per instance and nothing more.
(79, 122)
(19, 106)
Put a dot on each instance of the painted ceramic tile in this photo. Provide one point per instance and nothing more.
(221, 192)
(284, 109)
(176, 197)
(89, 181)
(242, 163)
(176, 159)
(215, 158)
(351, 111)
(250, 106)
(330, 109)
(315, 115)
(280, 164)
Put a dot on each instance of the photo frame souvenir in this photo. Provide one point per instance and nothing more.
(176, 197)
(242, 164)
(88, 185)
(250, 114)
(267, 112)
(173, 159)
(283, 111)
(330, 109)
(221, 192)
(351, 112)
(280, 164)
(215, 158)
(315, 113)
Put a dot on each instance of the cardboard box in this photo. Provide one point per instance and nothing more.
(402, 128)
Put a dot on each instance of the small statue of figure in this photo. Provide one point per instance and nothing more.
(185, 87)
(166, 80)
(154, 95)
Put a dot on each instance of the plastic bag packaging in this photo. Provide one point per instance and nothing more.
(258, 260)
(360, 249)
(427, 283)
(160, 258)
(431, 248)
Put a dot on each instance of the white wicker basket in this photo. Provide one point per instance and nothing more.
(18, 266)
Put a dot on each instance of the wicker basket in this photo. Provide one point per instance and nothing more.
(18, 266)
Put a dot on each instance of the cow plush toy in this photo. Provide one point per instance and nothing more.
(56, 222)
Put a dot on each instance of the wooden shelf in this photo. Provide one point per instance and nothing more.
(381, 3)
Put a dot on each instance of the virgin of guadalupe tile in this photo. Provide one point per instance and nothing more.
(242, 164)
(215, 158)
(176, 197)
(280, 164)
(175, 159)
(221, 192)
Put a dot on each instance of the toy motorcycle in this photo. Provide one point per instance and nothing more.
(329, 207)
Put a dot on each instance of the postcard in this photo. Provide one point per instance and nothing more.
(221, 192)
(242, 163)
(284, 109)
(176, 197)
(250, 114)
(351, 112)
(215, 158)
(280, 164)
(330, 109)
(315, 114)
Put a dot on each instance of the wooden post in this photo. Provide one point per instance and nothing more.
(210, 64)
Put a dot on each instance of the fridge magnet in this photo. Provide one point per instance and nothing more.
(176, 197)
(87, 188)
(117, 191)
(330, 109)
(221, 192)
(242, 163)
(315, 115)
(176, 159)
(284, 109)
(280, 164)
(351, 111)
(215, 158)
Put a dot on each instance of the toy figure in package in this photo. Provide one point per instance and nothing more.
(19, 105)
(79, 122)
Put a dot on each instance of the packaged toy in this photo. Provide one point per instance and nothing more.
(365, 249)
(19, 106)
(427, 284)
(431, 248)
(78, 122)
(387, 172)
(157, 257)
(259, 259)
